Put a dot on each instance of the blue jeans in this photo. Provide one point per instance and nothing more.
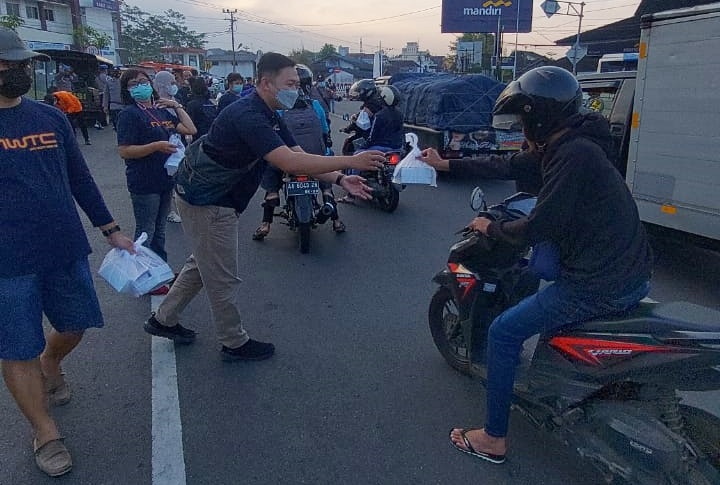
(557, 305)
(151, 211)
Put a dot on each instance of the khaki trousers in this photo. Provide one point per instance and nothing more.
(213, 235)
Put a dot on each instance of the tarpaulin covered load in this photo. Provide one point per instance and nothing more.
(460, 103)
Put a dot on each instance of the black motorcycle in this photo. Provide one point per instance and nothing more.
(386, 194)
(301, 209)
(606, 388)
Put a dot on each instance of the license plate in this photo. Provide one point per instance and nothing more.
(311, 187)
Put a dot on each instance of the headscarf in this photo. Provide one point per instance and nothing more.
(162, 82)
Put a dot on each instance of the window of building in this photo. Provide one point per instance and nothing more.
(32, 12)
(193, 60)
(12, 9)
(49, 15)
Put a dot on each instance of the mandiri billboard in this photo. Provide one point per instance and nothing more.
(460, 16)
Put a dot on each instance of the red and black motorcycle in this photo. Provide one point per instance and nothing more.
(606, 388)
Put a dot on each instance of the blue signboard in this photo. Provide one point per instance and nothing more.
(459, 16)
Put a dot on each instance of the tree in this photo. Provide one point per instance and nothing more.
(327, 51)
(86, 36)
(11, 22)
(302, 56)
(488, 46)
(144, 34)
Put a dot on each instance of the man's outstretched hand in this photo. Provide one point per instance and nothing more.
(355, 185)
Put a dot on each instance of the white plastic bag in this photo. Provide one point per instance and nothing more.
(363, 120)
(173, 161)
(135, 274)
(412, 170)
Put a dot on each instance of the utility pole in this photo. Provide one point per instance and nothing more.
(573, 9)
(232, 32)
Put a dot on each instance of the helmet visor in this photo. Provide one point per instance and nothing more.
(507, 122)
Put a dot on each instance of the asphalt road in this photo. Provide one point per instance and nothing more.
(356, 394)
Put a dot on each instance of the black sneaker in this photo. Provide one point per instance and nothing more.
(176, 333)
(252, 350)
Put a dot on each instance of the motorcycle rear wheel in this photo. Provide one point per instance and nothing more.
(304, 233)
(389, 202)
(444, 320)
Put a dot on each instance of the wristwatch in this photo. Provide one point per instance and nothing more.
(107, 232)
(339, 179)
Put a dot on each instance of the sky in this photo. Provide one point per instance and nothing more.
(365, 25)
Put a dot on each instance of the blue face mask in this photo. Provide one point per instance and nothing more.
(287, 97)
(237, 88)
(141, 92)
(173, 90)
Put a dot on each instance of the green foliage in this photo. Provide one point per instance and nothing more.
(327, 50)
(302, 56)
(144, 34)
(12, 22)
(86, 36)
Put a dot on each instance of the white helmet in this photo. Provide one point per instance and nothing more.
(390, 94)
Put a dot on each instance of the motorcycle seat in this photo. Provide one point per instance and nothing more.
(657, 318)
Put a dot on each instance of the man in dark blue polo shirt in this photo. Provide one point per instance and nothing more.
(215, 182)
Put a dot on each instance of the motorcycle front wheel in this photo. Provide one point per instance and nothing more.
(446, 331)
(389, 201)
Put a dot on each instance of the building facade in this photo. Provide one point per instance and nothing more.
(50, 25)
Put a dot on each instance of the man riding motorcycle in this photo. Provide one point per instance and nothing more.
(385, 131)
(312, 133)
(587, 218)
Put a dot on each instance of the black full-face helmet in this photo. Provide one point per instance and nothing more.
(306, 77)
(542, 99)
(363, 90)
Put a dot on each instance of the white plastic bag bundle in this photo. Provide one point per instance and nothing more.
(363, 120)
(135, 274)
(411, 169)
(173, 161)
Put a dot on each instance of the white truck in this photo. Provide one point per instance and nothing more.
(665, 120)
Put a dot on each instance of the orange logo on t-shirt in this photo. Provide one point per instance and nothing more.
(40, 141)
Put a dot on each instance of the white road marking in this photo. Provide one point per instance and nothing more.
(168, 458)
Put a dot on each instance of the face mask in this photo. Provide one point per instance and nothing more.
(15, 82)
(287, 97)
(141, 92)
(173, 89)
(237, 88)
(321, 84)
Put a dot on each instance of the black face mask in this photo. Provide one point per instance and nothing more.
(14, 82)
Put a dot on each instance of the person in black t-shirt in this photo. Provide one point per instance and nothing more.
(201, 110)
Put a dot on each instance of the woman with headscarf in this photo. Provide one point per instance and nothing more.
(166, 87)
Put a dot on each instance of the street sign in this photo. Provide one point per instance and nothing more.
(550, 7)
(576, 53)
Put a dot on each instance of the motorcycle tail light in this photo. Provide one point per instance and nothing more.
(302, 178)
(394, 159)
(457, 268)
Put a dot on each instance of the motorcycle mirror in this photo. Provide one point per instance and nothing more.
(477, 199)
(346, 117)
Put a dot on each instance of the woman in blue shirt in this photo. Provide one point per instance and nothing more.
(144, 128)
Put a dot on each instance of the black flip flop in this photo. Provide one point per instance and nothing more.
(497, 459)
(340, 228)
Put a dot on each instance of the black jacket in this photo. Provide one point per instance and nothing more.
(585, 208)
(523, 167)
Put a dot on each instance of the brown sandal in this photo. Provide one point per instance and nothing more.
(57, 390)
(53, 457)
(339, 227)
